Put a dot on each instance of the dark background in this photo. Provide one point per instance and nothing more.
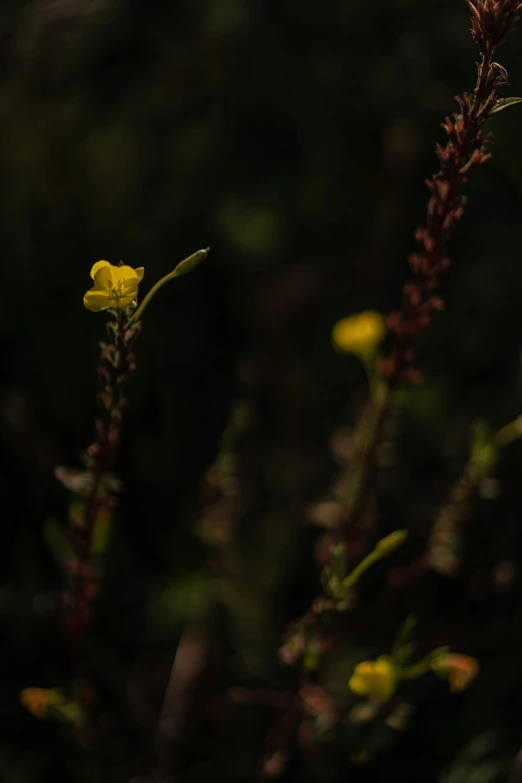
(293, 138)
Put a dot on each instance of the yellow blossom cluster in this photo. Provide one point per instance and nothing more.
(379, 679)
(114, 286)
(359, 334)
(375, 679)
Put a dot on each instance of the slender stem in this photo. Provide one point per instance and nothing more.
(155, 288)
(444, 544)
(359, 479)
(185, 266)
(116, 362)
(482, 80)
(509, 433)
(359, 570)
(416, 670)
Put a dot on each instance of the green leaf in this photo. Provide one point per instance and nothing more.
(58, 545)
(404, 633)
(68, 712)
(325, 578)
(479, 761)
(101, 534)
(503, 103)
(483, 451)
(338, 559)
(403, 654)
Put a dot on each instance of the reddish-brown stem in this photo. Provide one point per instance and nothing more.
(465, 149)
(116, 364)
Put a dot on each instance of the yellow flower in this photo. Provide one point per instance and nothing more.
(376, 679)
(359, 334)
(114, 286)
(38, 700)
(460, 670)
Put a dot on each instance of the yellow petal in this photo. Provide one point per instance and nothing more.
(140, 271)
(98, 265)
(125, 273)
(358, 684)
(360, 681)
(374, 678)
(384, 684)
(105, 278)
(360, 333)
(126, 299)
(96, 300)
(130, 286)
(384, 665)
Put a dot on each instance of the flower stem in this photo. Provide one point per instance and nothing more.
(185, 266)
(116, 363)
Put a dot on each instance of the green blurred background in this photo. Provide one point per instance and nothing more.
(293, 138)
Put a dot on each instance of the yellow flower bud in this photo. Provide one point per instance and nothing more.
(376, 679)
(38, 700)
(459, 670)
(359, 334)
(114, 286)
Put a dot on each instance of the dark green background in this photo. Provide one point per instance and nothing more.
(293, 138)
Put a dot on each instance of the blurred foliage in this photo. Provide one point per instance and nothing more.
(293, 138)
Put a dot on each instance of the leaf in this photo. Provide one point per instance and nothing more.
(338, 558)
(77, 481)
(69, 712)
(57, 543)
(503, 103)
(404, 633)
(101, 533)
(473, 764)
(325, 578)
(190, 263)
(404, 654)
(483, 451)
